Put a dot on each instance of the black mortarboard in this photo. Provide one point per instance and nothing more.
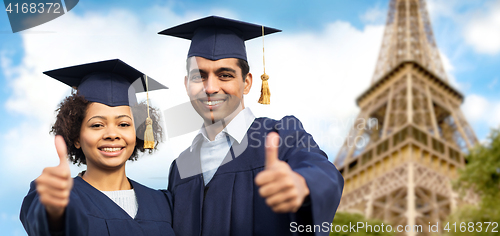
(111, 82)
(216, 38)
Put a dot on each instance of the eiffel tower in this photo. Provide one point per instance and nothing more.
(410, 136)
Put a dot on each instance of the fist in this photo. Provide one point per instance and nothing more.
(55, 183)
(283, 188)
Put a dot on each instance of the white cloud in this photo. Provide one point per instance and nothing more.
(375, 15)
(495, 116)
(441, 8)
(467, 24)
(449, 68)
(477, 109)
(474, 107)
(454, 9)
(482, 32)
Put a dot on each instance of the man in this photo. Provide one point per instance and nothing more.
(232, 180)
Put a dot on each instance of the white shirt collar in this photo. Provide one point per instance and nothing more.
(236, 129)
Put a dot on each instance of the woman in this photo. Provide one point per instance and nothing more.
(96, 126)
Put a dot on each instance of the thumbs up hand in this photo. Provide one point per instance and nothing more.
(283, 188)
(55, 183)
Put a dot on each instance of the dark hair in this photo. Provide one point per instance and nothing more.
(242, 64)
(70, 116)
(245, 68)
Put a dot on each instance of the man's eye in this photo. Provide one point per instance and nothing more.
(124, 125)
(226, 76)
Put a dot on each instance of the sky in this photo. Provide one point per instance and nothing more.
(318, 65)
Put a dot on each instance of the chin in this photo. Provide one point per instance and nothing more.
(218, 118)
(114, 164)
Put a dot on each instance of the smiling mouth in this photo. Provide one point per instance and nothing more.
(110, 149)
(213, 102)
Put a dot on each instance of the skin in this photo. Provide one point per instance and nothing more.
(103, 126)
(216, 80)
(54, 186)
(283, 188)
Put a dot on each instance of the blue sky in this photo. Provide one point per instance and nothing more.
(343, 36)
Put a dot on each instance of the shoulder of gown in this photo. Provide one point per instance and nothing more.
(90, 212)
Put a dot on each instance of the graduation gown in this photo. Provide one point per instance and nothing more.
(90, 212)
(230, 203)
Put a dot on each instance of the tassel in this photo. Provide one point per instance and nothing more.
(265, 93)
(149, 139)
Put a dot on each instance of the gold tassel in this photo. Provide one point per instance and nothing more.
(265, 93)
(149, 139)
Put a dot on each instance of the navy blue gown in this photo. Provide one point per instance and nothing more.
(230, 203)
(90, 212)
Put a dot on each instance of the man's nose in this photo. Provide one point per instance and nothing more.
(212, 84)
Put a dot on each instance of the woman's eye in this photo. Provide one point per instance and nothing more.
(96, 125)
(124, 125)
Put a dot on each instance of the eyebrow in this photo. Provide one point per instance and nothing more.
(196, 71)
(104, 118)
(222, 69)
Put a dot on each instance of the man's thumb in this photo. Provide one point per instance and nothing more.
(272, 144)
(62, 150)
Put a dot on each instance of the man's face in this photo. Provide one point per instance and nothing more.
(216, 88)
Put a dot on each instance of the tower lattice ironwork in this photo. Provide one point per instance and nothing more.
(410, 136)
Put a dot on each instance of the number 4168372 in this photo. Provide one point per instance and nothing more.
(471, 227)
(34, 8)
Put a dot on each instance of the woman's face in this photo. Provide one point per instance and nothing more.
(107, 136)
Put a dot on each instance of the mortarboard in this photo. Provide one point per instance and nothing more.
(216, 38)
(112, 82)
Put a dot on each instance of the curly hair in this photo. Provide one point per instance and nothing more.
(72, 111)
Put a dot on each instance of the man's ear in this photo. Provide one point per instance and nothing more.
(186, 82)
(248, 83)
(77, 144)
